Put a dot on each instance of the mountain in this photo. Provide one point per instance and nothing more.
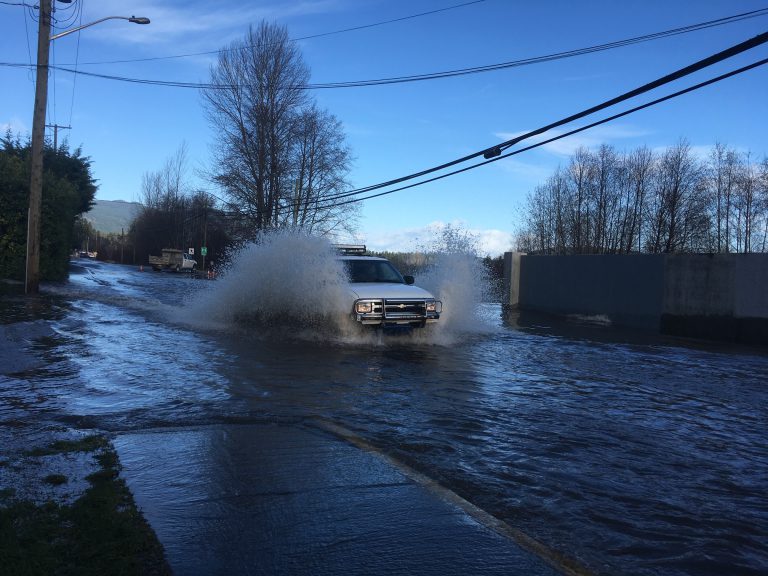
(112, 216)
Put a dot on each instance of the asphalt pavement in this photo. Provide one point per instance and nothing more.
(297, 499)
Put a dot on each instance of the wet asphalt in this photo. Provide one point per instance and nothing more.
(292, 499)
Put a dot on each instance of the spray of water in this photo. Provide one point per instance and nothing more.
(288, 280)
(457, 277)
(292, 284)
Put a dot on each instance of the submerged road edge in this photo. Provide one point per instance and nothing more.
(555, 559)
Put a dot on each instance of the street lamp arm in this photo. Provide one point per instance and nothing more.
(134, 19)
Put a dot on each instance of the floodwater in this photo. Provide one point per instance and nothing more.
(628, 455)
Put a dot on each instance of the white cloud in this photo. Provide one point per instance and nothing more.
(15, 125)
(490, 241)
(702, 152)
(205, 25)
(530, 172)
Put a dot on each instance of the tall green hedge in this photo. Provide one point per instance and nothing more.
(68, 191)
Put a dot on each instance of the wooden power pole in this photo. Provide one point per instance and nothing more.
(32, 279)
(56, 128)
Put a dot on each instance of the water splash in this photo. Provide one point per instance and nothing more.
(287, 280)
(460, 281)
(457, 277)
(291, 284)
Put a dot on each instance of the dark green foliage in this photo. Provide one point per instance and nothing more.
(14, 188)
(180, 222)
(409, 263)
(82, 233)
(68, 191)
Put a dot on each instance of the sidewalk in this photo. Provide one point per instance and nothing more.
(277, 499)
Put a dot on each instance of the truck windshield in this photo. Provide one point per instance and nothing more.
(372, 271)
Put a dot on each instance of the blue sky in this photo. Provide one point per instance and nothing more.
(128, 129)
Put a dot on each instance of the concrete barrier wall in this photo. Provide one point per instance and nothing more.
(720, 296)
(713, 296)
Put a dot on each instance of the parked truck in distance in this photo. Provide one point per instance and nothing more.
(173, 259)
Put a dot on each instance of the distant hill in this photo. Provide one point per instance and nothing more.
(112, 216)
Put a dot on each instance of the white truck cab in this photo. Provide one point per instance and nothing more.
(381, 295)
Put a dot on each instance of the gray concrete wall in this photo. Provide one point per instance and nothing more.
(688, 294)
(716, 285)
(626, 289)
(720, 296)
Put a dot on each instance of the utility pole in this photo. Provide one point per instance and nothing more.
(32, 275)
(56, 134)
(32, 279)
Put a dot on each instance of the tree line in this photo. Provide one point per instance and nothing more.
(278, 160)
(610, 202)
(175, 215)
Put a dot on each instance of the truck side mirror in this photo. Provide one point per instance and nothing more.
(408, 280)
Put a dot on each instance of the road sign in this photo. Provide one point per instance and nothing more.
(191, 251)
(204, 251)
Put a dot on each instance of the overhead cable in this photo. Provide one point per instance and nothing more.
(545, 58)
(497, 149)
(436, 75)
(352, 29)
(549, 140)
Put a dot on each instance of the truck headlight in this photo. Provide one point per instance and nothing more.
(431, 306)
(363, 307)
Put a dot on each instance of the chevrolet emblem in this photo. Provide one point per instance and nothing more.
(401, 306)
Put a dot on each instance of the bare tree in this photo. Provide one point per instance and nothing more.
(678, 218)
(640, 168)
(724, 167)
(762, 199)
(276, 156)
(748, 204)
(321, 162)
(580, 170)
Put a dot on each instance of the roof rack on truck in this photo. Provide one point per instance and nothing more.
(358, 249)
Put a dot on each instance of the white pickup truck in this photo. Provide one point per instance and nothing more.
(173, 259)
(381, 295)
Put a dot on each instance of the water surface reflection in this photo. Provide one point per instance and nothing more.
(632, 455)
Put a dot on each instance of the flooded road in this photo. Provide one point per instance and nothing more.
(645, 457)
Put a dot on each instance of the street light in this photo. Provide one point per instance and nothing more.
(32, 272)
(133, 19)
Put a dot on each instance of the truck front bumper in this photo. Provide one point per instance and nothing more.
(396, 312)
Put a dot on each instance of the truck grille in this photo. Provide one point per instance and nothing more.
(416, 309)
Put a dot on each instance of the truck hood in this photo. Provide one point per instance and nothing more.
(384, 290)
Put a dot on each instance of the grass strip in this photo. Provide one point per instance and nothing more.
(100, 533)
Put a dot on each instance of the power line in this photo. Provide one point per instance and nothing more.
(496, 150)
(322, 34)
(449, 73)
(331, 201)
(77, 59)
(332, 204)
(548, 57)
(560, 136)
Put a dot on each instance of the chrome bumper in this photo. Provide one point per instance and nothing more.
(396, 311)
